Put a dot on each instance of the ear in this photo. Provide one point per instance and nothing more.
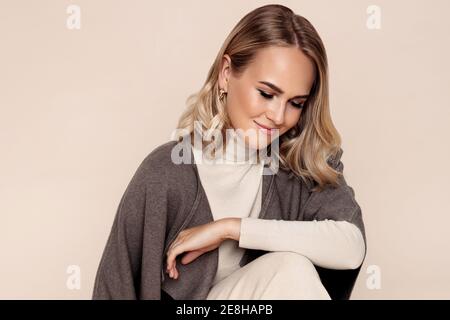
(224, 73)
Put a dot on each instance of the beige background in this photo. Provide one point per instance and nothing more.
(80, 109)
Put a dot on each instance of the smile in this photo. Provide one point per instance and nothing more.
(267, 130)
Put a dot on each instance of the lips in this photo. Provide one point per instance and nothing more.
(269, 130)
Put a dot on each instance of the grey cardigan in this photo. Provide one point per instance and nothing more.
(163, 198)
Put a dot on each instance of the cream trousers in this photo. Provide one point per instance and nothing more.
(278, 275)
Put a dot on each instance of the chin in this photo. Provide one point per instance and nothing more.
(260, 141)
(257, 139)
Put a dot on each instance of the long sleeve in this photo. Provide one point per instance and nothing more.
(330, 233)
(328, 243)
(130, 266)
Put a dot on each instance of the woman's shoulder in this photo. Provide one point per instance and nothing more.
(160, 156)
(287, 177)
(163, 162)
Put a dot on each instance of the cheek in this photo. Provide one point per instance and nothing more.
(254, 106)
(244, 103)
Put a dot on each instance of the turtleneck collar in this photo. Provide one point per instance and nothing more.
(236, 152)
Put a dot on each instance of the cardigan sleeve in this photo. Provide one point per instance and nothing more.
(130, 266)
(336, 203)
(331, 232)
(329, 244)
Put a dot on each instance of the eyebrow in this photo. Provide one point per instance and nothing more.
(277, 89)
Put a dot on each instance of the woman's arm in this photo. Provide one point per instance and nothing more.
(139, 219)
(328, 243)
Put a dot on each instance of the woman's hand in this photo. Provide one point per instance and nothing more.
(200, 239)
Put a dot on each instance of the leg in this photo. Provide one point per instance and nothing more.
(274, 275)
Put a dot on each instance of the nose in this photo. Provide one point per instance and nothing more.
(275, 113)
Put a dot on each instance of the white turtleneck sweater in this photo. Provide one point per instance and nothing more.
(233, 186)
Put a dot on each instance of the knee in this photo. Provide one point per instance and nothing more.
(291, 262)
(293, 275)
(294, 266)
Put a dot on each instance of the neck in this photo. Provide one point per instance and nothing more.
(235, 151)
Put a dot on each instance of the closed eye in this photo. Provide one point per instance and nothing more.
(269, 97)
(265, 95)
(298, 105)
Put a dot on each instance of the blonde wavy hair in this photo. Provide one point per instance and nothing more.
(308, 147)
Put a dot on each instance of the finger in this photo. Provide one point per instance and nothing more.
(171, 263)
(191, 256)
(168, 263)
(170, 258)
(170, 269)
(176, 273)
(172, 254)
(168, 255)
(173, 273)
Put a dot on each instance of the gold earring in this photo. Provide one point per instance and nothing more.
(222, 94)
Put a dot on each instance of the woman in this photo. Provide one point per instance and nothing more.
(238, 232)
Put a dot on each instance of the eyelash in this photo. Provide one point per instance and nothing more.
(269, 96)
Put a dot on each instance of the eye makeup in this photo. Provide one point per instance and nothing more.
(268, 96)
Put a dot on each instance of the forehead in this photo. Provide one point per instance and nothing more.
(287, 67)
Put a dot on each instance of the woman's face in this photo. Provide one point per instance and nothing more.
(269, 93)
